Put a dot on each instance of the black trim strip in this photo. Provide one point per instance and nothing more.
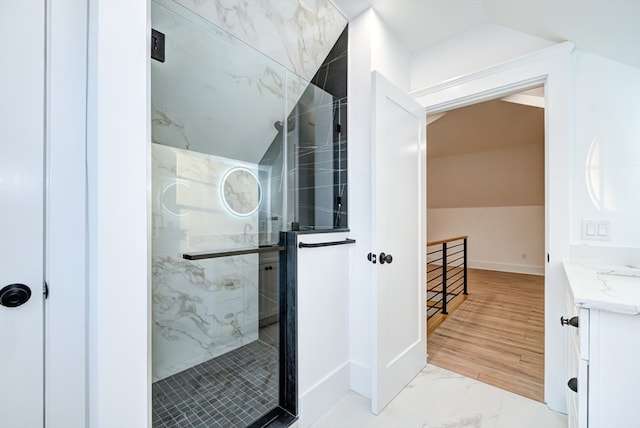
(288, 301)
(276, 418)
(316, 231)
(210, 255)
(326, 244)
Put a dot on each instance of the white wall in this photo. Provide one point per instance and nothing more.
(66, 329)
(389, 56)
(470, 51)
(606, 117)
(371, 46)
(118, 141)
(606, 157)
(323, 314)
(508, 239)
(359, 155)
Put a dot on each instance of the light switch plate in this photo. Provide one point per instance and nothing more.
(603, 229)
(596, 230)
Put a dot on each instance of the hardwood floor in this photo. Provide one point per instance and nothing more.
(497, 334)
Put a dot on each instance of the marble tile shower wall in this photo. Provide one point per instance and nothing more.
(297, 34)
(201, 309)
(325, 167)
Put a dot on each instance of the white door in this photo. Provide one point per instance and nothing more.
(22, 56)
(399, 231)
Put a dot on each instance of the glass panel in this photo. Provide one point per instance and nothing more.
(230, 173)
(317, 157)
(213, 94)
(217, 167)
(215, 321)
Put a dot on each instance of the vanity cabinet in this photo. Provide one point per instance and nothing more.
(268, 286)
(604, 358)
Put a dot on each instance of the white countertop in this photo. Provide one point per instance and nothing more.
(613, 288)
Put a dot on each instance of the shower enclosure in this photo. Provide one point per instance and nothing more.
(230, 175)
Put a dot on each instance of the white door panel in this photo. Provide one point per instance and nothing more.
(399, 159)
(21, 209)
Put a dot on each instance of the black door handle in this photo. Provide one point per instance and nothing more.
(573, 384)
(385, 258)
(573, 321)
(14, 295)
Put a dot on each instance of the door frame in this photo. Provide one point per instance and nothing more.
(552, 68)
(66, 377)
(97, 217)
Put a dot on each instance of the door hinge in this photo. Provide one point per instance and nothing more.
(338, 128)
(45, 290)
(547, 257)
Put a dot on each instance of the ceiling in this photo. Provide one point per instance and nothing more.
(609, 28)
(490, 125)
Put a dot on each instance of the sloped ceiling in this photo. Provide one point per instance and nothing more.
(609, 28)
(490, 125)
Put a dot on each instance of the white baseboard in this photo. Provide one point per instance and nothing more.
(507, 267)
(361, 379)
(319, 398)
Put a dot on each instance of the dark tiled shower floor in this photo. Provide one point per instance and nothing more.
(232, 390)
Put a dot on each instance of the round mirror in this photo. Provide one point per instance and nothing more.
(242, 192)
(174, 198)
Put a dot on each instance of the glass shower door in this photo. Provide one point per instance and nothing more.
(243, 151)
(217, 211)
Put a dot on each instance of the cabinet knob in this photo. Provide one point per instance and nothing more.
(573, 321)
(573, 384)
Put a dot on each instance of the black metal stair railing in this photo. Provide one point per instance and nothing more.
(446, 273)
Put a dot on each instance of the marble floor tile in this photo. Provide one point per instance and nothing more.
(440, 398)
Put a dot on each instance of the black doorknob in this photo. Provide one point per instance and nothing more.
(385, 258)
(573, 384)
(573, 321)
(14, 295)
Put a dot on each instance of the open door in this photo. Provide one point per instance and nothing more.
(22, 54)
(399, 237)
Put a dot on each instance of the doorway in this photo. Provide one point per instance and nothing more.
(486, 179)
(551, 67)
